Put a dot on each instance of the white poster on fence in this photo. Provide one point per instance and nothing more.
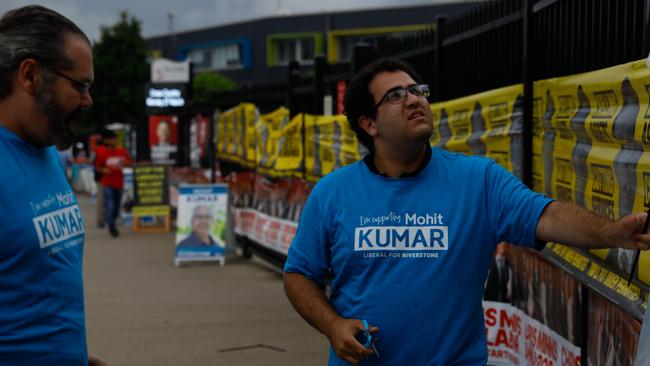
(201, 222)
(514, 338)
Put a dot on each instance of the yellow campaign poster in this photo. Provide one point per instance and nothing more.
(349, 144)
(502, 119)
(561, 107)
(330, 144)
(436, 133)
(237, 150)
(227, 119)
(220, 132)
(458, 125)
(269, 125)
(539, 107)
(312, 159)
(600, 124)
(251, 115)
(488, 123)
(289, 142)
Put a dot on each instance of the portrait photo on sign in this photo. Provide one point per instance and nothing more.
(200, 224)
(163, 138)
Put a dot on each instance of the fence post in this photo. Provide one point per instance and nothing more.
(528, 75)
(362, 55)
(294, 73)
(212, 148)
(646, 28)
(439, 35)
(319, 70)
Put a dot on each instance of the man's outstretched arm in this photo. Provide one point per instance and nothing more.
(310, 302)
(570, 224)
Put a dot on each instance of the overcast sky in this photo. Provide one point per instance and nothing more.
(193, 14)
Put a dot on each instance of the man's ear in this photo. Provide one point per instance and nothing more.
(28, 76)
(368, 125)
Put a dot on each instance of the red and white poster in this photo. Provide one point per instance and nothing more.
(199, 136)
(163, 139)
(514, 338)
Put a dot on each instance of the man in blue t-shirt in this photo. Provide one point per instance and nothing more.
(407, 234)
(46, 69)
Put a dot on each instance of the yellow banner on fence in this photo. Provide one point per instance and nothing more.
(268, 125)
(251, 116)
(329, 144)
(594, 145)
(488, 123)
(289, 144)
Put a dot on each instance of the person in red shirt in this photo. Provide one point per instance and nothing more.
(110, 162)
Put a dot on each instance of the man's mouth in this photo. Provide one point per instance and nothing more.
(416, 114)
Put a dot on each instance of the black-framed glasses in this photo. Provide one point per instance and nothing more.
(83, 87)
(398, 95)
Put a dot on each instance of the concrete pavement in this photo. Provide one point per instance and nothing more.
(141, 310)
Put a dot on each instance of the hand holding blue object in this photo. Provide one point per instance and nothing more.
(366, 339)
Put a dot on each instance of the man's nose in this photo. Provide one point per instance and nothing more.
(86, 100)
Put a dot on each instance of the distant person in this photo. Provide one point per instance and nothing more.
(100, 150)
(46, 69)
(202, 220)
(110, 162)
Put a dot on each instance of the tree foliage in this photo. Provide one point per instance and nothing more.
(206, 83)
(121, 73)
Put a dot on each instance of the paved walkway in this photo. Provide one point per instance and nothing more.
(141, 310)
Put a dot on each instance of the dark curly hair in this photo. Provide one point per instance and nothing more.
(358, 100)
(34, 32)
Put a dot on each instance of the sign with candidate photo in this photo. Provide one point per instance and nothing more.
(201, 223)
(163, 139)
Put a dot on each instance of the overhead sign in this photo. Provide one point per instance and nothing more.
(168, 71)
(167, 96)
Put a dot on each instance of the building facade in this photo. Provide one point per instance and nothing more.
(258, 51)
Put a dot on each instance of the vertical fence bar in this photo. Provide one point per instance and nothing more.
(645, 48)
(439, 35)
(528, 72)
(292, 78)
(319, 70)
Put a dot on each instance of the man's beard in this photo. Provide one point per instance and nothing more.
(60, 124)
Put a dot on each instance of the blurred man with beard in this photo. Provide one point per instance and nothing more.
(46, 69)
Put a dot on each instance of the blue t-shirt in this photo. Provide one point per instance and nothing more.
(41, 249)
(411, 255)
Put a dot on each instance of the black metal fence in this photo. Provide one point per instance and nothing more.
(493, 44)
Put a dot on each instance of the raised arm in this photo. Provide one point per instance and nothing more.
(310, 302)
(573, 225)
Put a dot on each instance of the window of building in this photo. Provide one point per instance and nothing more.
(301, 47)
(346, 45)
(341, 42)
(301, 50)
(219, 57)
(227, 57)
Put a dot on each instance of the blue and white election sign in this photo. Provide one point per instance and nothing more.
(201, 223)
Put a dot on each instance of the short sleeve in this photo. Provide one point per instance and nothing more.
(309, 250)
(513, 208)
